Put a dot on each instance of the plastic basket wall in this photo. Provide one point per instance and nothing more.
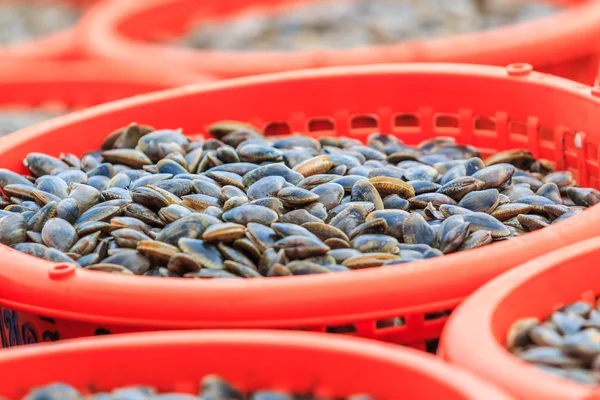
(565, 44)
(30, 84)
(490, 107)
(475, 335)
(293, 362)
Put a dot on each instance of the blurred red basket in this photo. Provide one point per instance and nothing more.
(61, 45)
(58, 86)
(497, 109)
(475, 336)
(287, 361)
(565, 44)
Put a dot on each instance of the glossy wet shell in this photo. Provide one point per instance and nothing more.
(348, 219)
(248, 213)
(266, 187)
(369, 260)
(416, 231)
(386, 186)
(192, 226)
(257, 153)
(293, 196)
(314, 166)
(13, 229)
(290, 176)
(366, 191)
(484, 201)
(393, 218)
(375, 244)
(59, 234)
(330, 194)
(480, 221)
(205, 254)
(495, 176)
(298, 247)
(223, 232)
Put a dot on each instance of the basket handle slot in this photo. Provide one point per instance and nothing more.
(347, 329)
(406, 120)
(321, 125)
(437, 315)
(277, 129)
(484, 123)
(389, 323)
(364, 122)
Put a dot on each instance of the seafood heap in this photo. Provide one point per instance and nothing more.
(566, 343)
(13, 120)
(26, 20)
(212, 387)
(341, 24)
(242, 205)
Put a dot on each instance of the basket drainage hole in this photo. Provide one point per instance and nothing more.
(437, 315)
(277, 129)
(319, 125)
(363, 121)
(61, 267)
(406, 121)
(484, 123)
(349, 328)
(518, 127)
(446, 121)
(431, 345)
(390, 323)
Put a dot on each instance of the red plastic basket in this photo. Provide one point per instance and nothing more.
(475, 335)
(27, 84)
(287, 361)
(490, 107)
(61, 45)
(566, 44)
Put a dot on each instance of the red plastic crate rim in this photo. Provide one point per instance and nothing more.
(475, 334)
(52, 47)
(251, 360)
(493, 108)
(565, 43)
(77, 84)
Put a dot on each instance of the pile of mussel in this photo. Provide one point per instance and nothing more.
(211, 387)
(241, 205)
